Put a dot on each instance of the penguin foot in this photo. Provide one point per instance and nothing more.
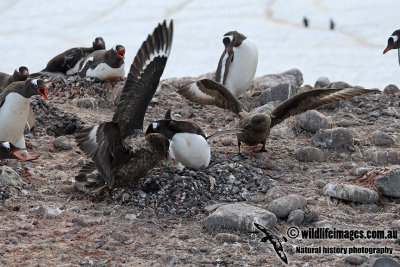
(26, 156)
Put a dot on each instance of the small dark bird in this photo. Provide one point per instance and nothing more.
(331, 24)
(121, 154)
(104, 64)
(275, 241)
(189, 144)
(8, 150)
(393, 43)
(14, 110)
(20, 74)
(257, 126)
(238, 63)
(305, 21)
(68, 61)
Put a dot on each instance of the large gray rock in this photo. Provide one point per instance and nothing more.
(269, 80)
(275, 192)
(296, 217)
(309, 154)
(389, 184)
(87, 103)
(62, 143)
(381, 262)
(8, 177)
(297, 74)
(339, 85)
(356, 259)
(279, 92)
(282, 206)
(391, 89)
(351, 193)
(322, 82)
(380, 138)
(312, 121)
(239, 217)
(383, 157)
(340, 139)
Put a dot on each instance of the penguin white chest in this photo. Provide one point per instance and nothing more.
(191, 150)
(243, 67)
(13, 117)
(104, 72)
(75, 69)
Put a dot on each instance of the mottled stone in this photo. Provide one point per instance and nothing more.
(312, 121)
(9, 177)
(340, 139)
(389, 184)
(380, 138)
(282, 206)
(279, 92)
(87, 103)
(351, 193)
(381, 262)
(297, 74)
(309, 154)
(356, 259)
(228, 238)
(391, 89)
(62, 143)
(296, 217)
(322, 82)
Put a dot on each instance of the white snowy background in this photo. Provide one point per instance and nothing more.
(32, 32)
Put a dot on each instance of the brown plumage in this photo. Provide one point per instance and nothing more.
(257, 126)
(121, 154)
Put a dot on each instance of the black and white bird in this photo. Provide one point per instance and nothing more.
(104, 64)
(393, 43)
(238, 63)
(20, 74)
(14, 110)
(275, 241)
(121, 154)
(257, 126)
(68, 61)
(8, 151)
(189, 144)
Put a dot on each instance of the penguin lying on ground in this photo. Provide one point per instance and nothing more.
(14, 110)
(68, 61)
(189, 144)
(257, 126)
(238, 63)
(104, 64)
(121, 154)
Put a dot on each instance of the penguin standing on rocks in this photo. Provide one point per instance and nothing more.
(8, 150)
(14, 109)
(104, 64)
(189, 144)
(68, 61)
(121, 154)
(238, 63)
(393, 43)
(257, 126)
(20, 74)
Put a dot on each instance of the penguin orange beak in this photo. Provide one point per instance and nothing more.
(42, 91)
(18, 157)
(227, 48)
(121, 53)
(387, 49)
(25, 73)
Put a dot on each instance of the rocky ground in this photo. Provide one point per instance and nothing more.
(337, 167)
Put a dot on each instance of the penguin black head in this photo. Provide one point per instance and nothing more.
(393, 41)
(99, 44)
(164, 127)
(21, 73)
(232, 39)
(35, 87)
(7, 151)
(119, 50)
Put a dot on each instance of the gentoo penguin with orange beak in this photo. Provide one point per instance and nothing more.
(238, 63)
(394, 43)
(20, 74)
(68, 61)
(104, 64)
(14, 109)
(8, 150)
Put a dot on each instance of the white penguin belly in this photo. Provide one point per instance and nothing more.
(104, 72)
(75, 69)
(191, 150)
(13, 117)
(243, 67)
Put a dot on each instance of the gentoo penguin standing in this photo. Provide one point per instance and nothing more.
(14, 109)
(20, 74)
(8, 150)
(68, 61)
(104, 64)
(394, 43)
(238, 63)
(257, 126)
(121, 154)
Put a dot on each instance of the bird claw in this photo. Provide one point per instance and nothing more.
(241, 155)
